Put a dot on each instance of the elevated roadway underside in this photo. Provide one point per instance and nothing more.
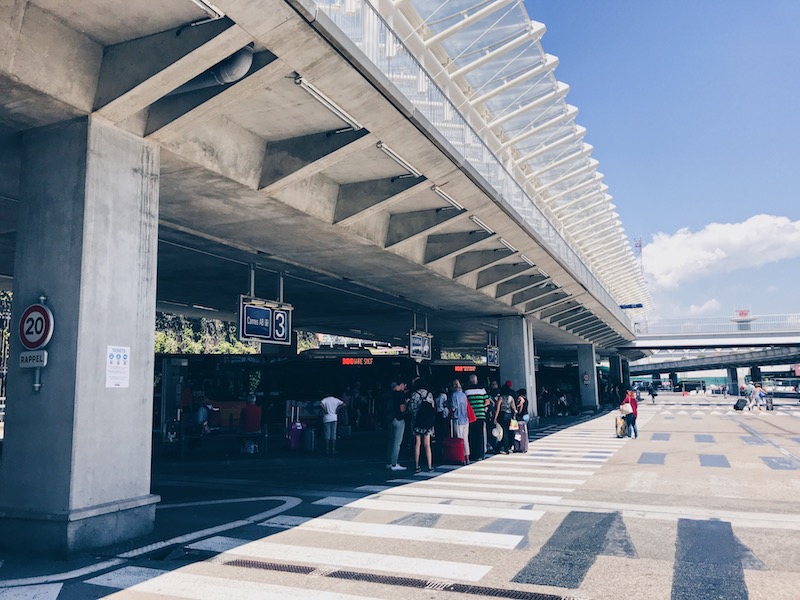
(260, 172)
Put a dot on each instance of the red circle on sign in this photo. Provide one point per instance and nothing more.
(36, 327)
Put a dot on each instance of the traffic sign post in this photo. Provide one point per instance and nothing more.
(35, 331)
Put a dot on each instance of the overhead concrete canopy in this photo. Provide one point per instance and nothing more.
(314, 164)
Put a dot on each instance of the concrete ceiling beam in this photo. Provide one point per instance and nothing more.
(469, 262)
(546, 300)
(547, 315)
(178, 116)
(446, 245)
(518, 284)
(500, 273)
(563, 315)
(290, 161)
(137, 73)
(412, 226)
(358, 200)
(533, 293)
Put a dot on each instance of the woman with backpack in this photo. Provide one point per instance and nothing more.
(505, 410)
(423, 412)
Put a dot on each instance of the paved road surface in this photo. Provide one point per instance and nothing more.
(705, 504)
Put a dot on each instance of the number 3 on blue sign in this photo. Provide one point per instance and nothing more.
(280, 331)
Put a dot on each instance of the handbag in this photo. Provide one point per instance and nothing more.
(471, 414)
(626, 409)
(513, 425)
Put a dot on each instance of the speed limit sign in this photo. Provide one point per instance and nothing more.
(36, 327)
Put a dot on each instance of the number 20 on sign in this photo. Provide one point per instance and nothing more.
(36, 327)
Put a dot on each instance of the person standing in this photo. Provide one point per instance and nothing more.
(478, 400)
(423, 414)
(442, 425)
(397, 424)
(630, 417)
(250, 424)
(505, 410)
(460, 415)
(330, 406)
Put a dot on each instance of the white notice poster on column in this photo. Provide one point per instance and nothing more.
(118, 366)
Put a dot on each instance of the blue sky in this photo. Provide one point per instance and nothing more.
(692, 107)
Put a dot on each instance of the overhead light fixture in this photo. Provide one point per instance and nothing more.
(507, 245)
(482, 225)
(327, 103)
(543, 274)
(528, 260)
(444, 196)
(398, 159)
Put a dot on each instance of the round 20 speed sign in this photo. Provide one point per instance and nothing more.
(36, 327)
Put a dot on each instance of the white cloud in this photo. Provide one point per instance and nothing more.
(718, 248)
(709, 306)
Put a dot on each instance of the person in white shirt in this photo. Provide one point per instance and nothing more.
(330, 405)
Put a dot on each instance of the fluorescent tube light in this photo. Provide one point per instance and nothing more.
(527, 260)
(543, 273)
(507, 245)
(398, 159)
(482, 225)
(327, 103)
(440, 192)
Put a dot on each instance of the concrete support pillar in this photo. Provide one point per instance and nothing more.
(673, 379)
(733, 381)
(755, 374)
(615, 369)
(626, 372)
(515, 338)
(75, 472)
(587, 373)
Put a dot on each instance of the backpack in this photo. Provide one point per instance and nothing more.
(425, 415)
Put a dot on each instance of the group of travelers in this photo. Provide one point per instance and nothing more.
(483, 419)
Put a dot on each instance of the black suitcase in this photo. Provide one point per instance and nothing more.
(740, 404)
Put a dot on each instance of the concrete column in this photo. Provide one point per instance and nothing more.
(615, 369)
(733, 381)
(755, 374)
(673, 379)
(587, 374)
(626, 372)
(515, 338)
(75, 472)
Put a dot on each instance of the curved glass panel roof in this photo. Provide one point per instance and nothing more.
(514, 88)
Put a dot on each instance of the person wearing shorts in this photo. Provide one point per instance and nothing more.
(330, 405)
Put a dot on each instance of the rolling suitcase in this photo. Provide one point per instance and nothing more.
(740, 404)
(296, 436)
(770, 404)
(622, 427)
(521, 437)
(454, 451)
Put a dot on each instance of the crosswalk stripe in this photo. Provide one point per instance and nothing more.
(332, 557)
(556, 459)
(204, 587)
(405, 532)
(521, 477)
(49, 591)
(427, 492)
(126, 577)
(508, 468)
(440, 481)
(438, 509)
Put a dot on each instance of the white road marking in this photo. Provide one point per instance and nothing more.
(427, 492)
(441, 481)
(520, 514)
(126, 577)
(404, 532)
(32, 592)
(331, 557)
(499, 467)
(521, 478)
(202, 587)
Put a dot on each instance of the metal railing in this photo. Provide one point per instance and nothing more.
(367, 29)
(715, 325)
(5, 325)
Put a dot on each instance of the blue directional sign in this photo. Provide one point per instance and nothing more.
(419, 345)
(492, 356)
(265, 322)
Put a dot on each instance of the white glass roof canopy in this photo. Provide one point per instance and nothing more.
(476, 70)
(493, 52)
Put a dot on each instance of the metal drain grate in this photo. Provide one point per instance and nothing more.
(411, 582)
